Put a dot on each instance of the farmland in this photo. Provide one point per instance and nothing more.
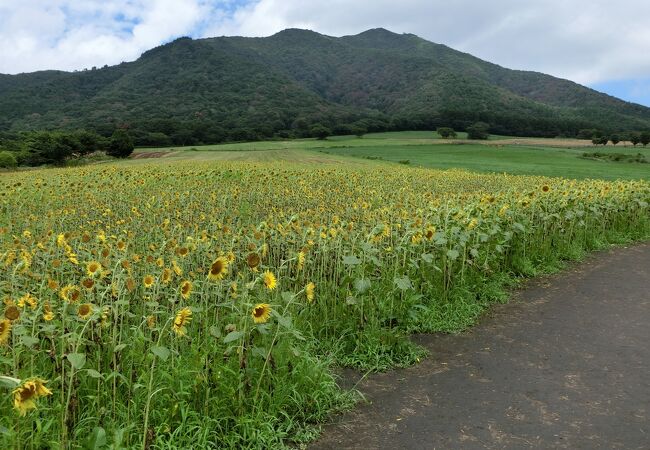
(204, 298)
(522, 156)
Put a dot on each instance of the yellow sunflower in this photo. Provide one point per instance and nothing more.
(166, 275)
(300, 261)
(269, 280)
(88, 283)
(309, 291)
(93, 268)
(186, 289)
(12, 312)
(253, 260)
(218, 269)
(48, 315)
(27, 393)
(28, 299)
(261, 313)
(148, 281)
(85, 311)
(183, 317)
(5, 331)
(70, 293)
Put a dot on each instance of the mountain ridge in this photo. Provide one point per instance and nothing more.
(243, 87)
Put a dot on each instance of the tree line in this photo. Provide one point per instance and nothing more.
(37, 148)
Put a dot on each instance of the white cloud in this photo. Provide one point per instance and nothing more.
(77, 34)
(588, 41)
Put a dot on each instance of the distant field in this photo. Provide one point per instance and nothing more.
(524, 156)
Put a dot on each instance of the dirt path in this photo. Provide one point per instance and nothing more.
(566, 364)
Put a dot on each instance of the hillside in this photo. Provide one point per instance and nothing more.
(209, 90)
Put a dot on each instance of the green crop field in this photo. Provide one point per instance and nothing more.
(547, 157)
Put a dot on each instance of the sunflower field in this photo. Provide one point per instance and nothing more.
(205, 304)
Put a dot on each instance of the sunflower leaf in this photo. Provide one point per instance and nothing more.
(161, 352)
(97, 439)
(78, 360)
(29, 340)
(94, 374)
(453, 254)
(233, 336)
(284, 321)
(403, 283)
(361, 285)
(119, 348)
(351, 260)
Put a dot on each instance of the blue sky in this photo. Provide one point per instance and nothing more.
(598, 43)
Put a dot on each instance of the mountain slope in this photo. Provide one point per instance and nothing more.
(235, 87)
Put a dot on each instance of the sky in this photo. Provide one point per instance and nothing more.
(598, 43)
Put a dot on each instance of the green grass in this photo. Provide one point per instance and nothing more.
(424, 148)
(515, 160)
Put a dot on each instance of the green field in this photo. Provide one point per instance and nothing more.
(420, 148)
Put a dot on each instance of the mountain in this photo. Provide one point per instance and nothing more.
(242, 88)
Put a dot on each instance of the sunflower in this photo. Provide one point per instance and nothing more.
(546, 188)
(70, 293)
(269, 280)
(85, 310)
(151, 321)
(88, 283)
(28, 299)
(186, 289)
(48, 315)
(27, 393)
(183, 317)
(261, 313)
(233, 290)
(52, 284)
(105, 317)
(166, 275)
(253, 260)
(177, 270)
(12, 312)
(300, 261)
(148, 281)
(5, 331)
(130, 284)
(218, 269)
(93, 268)
(309, 291)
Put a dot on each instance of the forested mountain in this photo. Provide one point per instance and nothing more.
(236, 88)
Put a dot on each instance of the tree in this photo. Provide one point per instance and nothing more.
(319, 131)
(588, 133)
(635, 138)
(50, 148)
(604, 140)
(446, 132)
(358, 131)
(615, 139)
(7, 160)
(644, 138)
(479, 130)
(121, 145)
